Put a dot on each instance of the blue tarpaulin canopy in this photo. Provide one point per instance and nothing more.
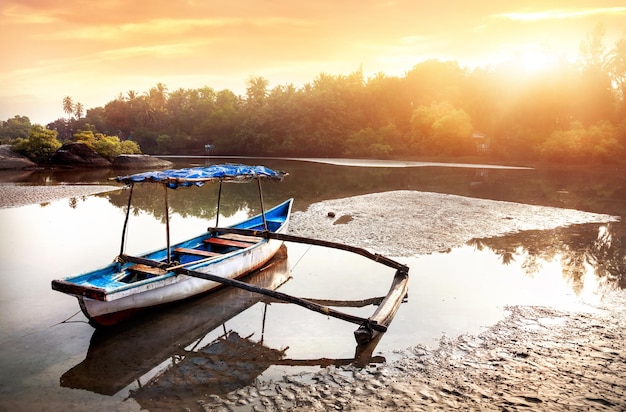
(197, 176)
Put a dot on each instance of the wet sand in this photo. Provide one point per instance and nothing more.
(406, 223)
(15, 195)
(537, 358)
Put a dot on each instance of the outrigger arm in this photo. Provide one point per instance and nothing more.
(368, 329)
(373, 325)
(317, 242)
(390, 304)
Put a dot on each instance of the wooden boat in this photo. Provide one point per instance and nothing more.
(112, 293)
(216, 257)
(128, 352)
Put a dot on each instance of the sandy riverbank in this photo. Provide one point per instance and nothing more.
(405, 223)
(537, 358)
(17, 195)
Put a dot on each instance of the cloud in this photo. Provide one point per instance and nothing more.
(18, 14)
(170, 27)
(560, 14)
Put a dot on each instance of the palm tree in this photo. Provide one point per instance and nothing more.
(158, 96)
(256, 91)
(146, 112)
(78, 110)
(68, 107)
(616, 65)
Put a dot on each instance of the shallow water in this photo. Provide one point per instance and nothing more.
(463, 290)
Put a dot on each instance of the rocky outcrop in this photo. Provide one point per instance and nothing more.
(127, 161)
(79, 155)
(75, 154)
(12, 160)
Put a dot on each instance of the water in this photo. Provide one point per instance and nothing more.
(52, 359)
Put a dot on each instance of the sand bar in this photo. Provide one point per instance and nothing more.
(22, 195)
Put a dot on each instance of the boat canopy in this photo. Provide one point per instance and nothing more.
(198, 176)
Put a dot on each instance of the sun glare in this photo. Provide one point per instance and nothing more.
(531, 58)
(534, 60)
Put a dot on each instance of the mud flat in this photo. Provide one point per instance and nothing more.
(537, 358)
(17, 195)
(405, 223)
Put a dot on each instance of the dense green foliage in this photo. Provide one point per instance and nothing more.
(565, 112)
(16, 127)
(108, 147)
(40, 144)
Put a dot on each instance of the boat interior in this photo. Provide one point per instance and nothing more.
(207, 249)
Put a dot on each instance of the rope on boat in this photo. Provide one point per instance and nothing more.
(68, 320)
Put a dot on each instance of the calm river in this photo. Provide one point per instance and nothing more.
(52, 359)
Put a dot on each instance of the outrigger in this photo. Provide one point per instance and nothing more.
(219, 256)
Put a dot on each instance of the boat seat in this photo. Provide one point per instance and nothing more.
(147, 270)
(241, 238)
(219, 241)
(196, 252)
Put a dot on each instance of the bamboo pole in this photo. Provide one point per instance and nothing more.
(130, 197)
(262, 206)
(167, 225)
(371, 325)
(219, 201)
(386, 311)
(317, 242)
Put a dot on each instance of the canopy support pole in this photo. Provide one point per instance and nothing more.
(167, 226)
(130, 196)
(219, 201)
(262, 207)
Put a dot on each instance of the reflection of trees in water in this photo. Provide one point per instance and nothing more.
(577, 247)
(202, 202)
(197, 202)
(592, 190)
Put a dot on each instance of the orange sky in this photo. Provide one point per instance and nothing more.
(94, 50)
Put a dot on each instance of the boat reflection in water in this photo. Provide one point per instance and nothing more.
(130, 352)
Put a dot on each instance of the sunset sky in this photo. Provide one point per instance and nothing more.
(94, 50)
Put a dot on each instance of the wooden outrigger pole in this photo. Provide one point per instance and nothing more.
(387, 309)
(316, 242)
(263, 291)
(368, 329)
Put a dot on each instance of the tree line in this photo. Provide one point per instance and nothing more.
(565, 112)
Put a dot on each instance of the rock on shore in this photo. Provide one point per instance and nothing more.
(79, 155)
(11, 160)
(76, 154)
